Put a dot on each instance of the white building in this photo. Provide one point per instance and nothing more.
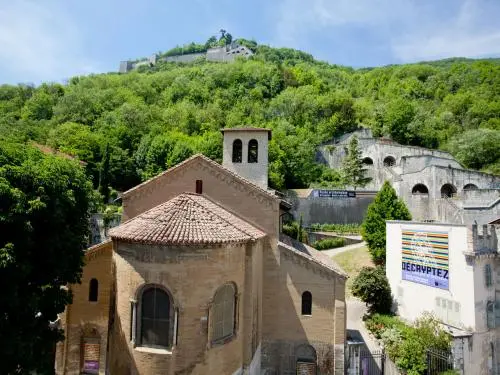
(452, 271)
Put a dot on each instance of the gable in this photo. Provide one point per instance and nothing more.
(231, 191)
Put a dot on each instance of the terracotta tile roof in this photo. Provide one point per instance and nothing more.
(188, 219)
(310, 253)
(213, 164)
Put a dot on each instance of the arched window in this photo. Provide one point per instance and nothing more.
(448, 191)
(253, 151)
(223, 313)
(420, 189)
(488, 280)
(306, 303)
(389, 161)
(470, 187)
(237, 151)
(155, 319)
(93, 290)
(367, 161)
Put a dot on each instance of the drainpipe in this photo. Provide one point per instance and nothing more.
(65, 353)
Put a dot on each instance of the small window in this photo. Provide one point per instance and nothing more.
(420, 189)
(367, 161)
(488, 280)
(306, 303)
(470, 187)
(223, 313)
(237, 151)
(389, 161)
(448, 191)
(490, 314)
(199, 187)
(93, 290)
(253, 151)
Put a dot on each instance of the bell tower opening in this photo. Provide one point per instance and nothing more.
(246, 153)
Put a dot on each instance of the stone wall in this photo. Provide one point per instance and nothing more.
(190, 57)
(330, 210)
(86, 319)
(286, 277)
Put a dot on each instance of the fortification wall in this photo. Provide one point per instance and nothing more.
(335, 210)
(412, 164)
(184, 58)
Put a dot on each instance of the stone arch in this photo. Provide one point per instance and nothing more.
(389, 161)
(420, 189)
(470, 187)
(448, 191)
(367, 161)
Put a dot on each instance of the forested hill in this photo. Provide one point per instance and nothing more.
(143, 122)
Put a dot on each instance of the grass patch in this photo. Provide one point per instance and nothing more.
(352, 261)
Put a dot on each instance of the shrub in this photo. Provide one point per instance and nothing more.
(372, 286)
(407, 345)
(292, 230)
(329, 243)
(338, 228)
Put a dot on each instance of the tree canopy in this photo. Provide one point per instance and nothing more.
(44, 207)
(157, 116)
(386, 206)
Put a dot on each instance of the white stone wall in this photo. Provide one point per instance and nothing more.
(467, 295)
(413, 299)
(255, 172)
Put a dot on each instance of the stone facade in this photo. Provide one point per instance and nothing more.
(432, 183)
(271, 332)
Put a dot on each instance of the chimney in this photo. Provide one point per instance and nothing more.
(246, 153)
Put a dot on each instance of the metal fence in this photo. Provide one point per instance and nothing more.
(438, 362)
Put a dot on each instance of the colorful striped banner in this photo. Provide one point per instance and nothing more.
(425, 257)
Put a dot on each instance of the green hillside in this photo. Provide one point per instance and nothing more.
(154, 118)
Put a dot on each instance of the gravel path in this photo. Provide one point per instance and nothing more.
(339, 250)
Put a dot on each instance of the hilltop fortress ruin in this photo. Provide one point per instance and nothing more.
(227, 53)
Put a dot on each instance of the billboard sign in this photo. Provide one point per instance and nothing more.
(425, 257)
(334, 194)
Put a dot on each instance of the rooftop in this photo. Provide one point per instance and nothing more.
(188, 219)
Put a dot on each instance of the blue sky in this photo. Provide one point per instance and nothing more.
(49, 40)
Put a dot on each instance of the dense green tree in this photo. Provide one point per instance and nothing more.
(44, 207)
(353, 173)
(372, 287)
(476, 148)
(305, 102)
(104, 175)
(386, 206)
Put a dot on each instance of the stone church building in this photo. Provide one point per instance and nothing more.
(198, 279)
